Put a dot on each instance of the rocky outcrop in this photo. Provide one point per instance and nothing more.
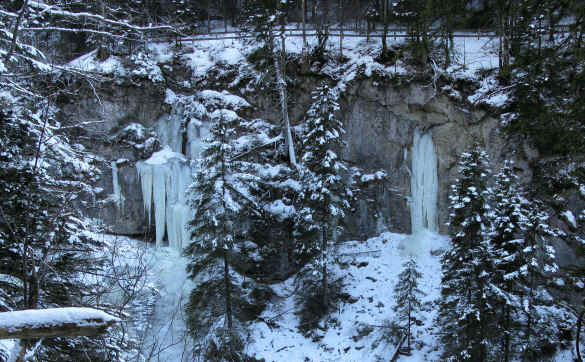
(114, 122)
(379, 118)
(380, 121)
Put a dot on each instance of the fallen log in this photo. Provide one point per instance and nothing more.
(54, 322)
(396, 353)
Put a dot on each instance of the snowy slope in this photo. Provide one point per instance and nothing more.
(369, 270)
(156, 317)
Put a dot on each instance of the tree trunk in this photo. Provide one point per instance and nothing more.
(326, 15)
(16, 29)
(385, 31)
(281, 84)
(228, 294)
(409, 316)
(500, 42)
(225, 15)
(324, 267)
(578, 337)
(304, 10)
(367, 29)
(341, 20)
(64, 322)
(506, 339)
(226, 269)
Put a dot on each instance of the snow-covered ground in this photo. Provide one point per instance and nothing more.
(369, 270)
(157, 314)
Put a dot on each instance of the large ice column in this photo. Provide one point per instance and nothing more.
(165, 177)
(169, 130)
(424, 183)
(118, 197)
(196, 132)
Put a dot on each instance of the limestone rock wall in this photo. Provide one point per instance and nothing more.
(114, 122)
(379, 119)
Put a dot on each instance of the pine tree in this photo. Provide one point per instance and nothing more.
(510, 221)
(540, 319)
(464, 312)
(262, 18)
(324, 194)
(407, 295)
(47, 257)
(524, 262)
(221, 192)
(418, 15)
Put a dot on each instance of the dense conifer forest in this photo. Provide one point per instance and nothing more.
(295, 180)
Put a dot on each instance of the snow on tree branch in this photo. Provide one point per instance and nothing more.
(54, 322)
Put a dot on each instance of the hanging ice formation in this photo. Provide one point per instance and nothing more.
(165, 177)
(118, 197)
(424, 183)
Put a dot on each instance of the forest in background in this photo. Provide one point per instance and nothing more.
(61, 263)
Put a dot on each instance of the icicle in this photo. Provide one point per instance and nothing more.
(165, 177)
(145, 175)
(116, 187)
(196, 132)
(424, 183)
(159, 198)
(168, 130)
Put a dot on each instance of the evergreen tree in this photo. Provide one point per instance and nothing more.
(47, 257)
(324, 194)
(451, 15)
(465, 313)
(222, 190)
(541, 319)
(407, 295)
(261, 18)
(510, 222)
(417, 15)
(524, 264)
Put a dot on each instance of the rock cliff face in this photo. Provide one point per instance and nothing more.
(115, 123)
(379, 119)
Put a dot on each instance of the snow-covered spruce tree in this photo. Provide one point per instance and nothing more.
(47, 257)
(324, 195)
(529, 323)
(464, 311)
(509, 224)
(407, 295)
(542, 322)
(221, 193)
(273, 231)
(262, 19)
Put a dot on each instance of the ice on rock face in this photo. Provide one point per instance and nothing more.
(424, 183)
(118, 197)
(169, 131)
(165, 177)
(159, 192)
(145, 174)
(196, 132)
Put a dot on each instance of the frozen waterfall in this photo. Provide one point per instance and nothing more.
(164, 178)
(424, 183)
(166, 175)
(118, 197)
